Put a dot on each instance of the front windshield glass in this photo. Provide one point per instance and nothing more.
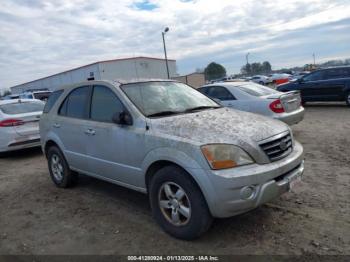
(256, 90)
(162, 97)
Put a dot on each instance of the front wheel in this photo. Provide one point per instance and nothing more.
(178, 205)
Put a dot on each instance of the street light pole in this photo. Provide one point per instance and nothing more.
(246, 57)
(166, 57)
(313, 55)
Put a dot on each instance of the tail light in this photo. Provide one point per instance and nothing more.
(276, 106)
(11, 122)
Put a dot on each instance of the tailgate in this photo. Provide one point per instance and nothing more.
(291, 101)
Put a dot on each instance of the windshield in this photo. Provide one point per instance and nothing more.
(22, 107)
(256, 90)
(166, 97)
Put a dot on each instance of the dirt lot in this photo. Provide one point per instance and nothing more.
(100, 218)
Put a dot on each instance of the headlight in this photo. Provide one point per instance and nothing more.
(221, 156)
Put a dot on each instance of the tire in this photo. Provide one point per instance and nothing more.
(59, 170)
(262, 83)
(347, 99)
(198, 219)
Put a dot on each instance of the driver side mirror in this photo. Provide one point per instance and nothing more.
(122, 118)
(301, 80)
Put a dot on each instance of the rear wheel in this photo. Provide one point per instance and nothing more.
(348, 99)
(178, 205)
(59, 170)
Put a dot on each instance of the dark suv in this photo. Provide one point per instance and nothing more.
(329, 84)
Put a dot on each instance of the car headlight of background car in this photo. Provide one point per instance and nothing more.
(221, 156)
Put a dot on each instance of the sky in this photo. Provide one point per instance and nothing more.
(43, 37)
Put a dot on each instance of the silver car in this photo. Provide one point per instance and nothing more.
(194, 158)
(255, 98)
(19, 123)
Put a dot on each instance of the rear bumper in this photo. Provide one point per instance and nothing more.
(291, 118)
(20, 143)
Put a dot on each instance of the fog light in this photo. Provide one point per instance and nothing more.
(247, 192)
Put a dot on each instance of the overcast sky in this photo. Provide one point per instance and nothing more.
(42, 37)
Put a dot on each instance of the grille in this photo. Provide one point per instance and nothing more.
(278, 148)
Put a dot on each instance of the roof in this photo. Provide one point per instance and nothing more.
(95, 63)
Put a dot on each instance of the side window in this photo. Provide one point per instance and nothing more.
(220, 92)
(315, 76)
(203, 90)
(52, 100)
(75, 105)
(335, 73)
(104, 104)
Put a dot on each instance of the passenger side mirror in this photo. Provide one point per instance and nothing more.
(122, 118)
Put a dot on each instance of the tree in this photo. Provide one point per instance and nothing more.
(246, 69)
(256, 68)
(214, 71)
(266, 67)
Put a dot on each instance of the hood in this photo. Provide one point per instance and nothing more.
(222, 125)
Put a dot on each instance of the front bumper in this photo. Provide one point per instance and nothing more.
(237, 190)
(291, 118)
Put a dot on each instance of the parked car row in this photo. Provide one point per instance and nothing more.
(330, 84)
(35, 94)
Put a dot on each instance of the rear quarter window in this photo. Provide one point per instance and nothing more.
(52, 100)
(22, 107)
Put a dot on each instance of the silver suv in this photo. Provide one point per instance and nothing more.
(195, 159)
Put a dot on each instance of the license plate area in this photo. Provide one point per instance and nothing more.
(294, 181)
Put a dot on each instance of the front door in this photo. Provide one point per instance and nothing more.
(115, 152)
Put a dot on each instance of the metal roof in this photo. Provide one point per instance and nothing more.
(94, 63)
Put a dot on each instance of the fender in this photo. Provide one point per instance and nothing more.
(51, 136)
(189, 164)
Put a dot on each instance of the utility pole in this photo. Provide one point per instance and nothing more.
(246, 57)
(166, 57)
(313, 55)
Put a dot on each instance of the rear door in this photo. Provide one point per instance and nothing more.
(69, 125)
(334, 84)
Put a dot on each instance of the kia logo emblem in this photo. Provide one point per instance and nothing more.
(283, 145)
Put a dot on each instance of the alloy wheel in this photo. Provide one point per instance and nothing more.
(174, 204)
(57, 167)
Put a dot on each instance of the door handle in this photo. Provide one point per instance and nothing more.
(56, 125)
(90, 132)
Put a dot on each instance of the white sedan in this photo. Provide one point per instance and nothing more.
(255, 98)
(19, 119)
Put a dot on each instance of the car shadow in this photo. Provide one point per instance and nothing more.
(115, 192)
(245, 225)
(22, 153)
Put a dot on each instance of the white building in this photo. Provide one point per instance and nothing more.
(117, 69)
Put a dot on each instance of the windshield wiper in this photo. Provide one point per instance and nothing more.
(201, 108)
(164, 113)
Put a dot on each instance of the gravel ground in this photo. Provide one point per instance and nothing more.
(100, 218)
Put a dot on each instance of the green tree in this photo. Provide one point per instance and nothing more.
(266, 67)
(214, 71)
(246, 69)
